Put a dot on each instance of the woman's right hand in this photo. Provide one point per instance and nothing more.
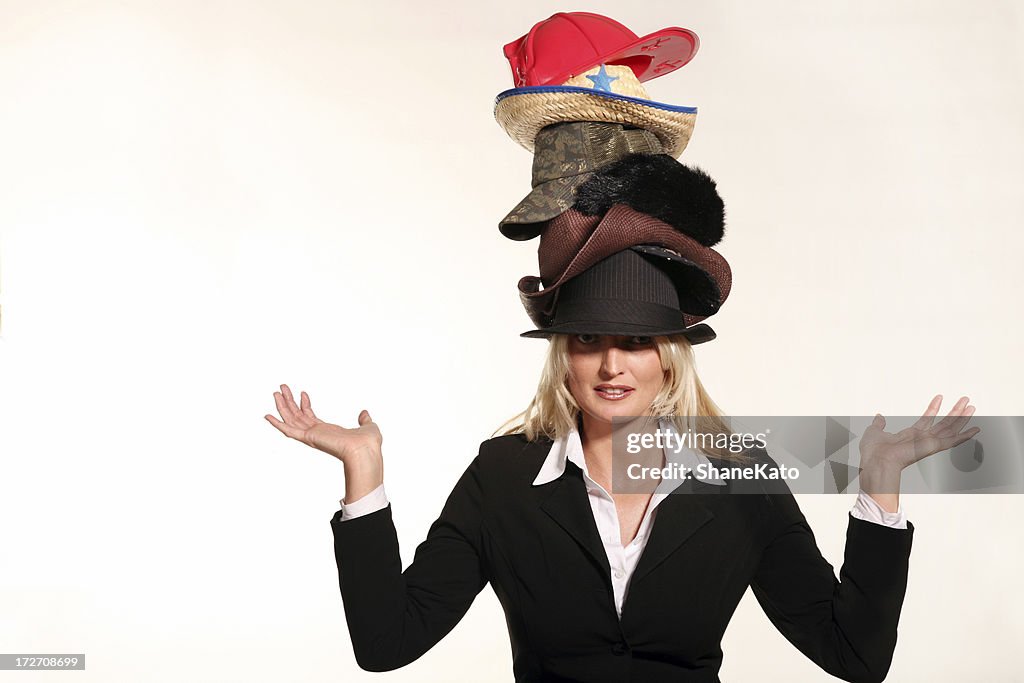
(359, 449)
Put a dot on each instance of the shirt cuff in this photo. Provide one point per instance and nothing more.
(371, 502)
(868, 509)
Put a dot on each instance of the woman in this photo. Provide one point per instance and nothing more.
(599, 585)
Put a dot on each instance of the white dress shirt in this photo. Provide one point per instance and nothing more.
(623, 558)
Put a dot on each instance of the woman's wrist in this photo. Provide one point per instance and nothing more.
(883, 485)
(364, 472)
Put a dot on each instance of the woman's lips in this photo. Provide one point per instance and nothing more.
(609, 394)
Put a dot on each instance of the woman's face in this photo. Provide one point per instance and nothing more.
(614, 375)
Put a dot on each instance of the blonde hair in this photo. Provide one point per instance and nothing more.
(553, 412)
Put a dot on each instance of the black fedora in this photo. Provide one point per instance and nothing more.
(573, 242)
(632, 292)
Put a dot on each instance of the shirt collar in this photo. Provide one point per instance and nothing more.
(570, 447)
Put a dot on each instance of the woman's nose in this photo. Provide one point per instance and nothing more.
(611, 361)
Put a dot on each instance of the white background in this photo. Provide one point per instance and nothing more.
(202, 200)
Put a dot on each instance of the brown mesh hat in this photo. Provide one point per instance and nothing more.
(630, 292)
(565, 156)
(574, 242)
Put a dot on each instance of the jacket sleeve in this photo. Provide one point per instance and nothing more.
(394, 616)
(847, 626)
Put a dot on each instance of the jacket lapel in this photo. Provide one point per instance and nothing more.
(679, 516)
(569, 507)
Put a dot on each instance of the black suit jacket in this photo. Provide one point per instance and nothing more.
(539, 548)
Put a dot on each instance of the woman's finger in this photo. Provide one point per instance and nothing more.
(970, 433)
(282, 407)
(945, 443)
(298, 418)
(954, 415)
(285, 429)
(925, 421)
(364, 418)
(307, 407)
(929, 445)
(957, 425)
(288, 396)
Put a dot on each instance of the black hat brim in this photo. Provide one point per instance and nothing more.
(696, 334)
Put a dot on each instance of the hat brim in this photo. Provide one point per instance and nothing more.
(696, 334)
(658, 53)
(522, 112)
(547, 200)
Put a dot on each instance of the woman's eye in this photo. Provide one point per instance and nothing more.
(586, 338)
(641, 341)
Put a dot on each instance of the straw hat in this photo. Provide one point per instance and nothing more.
(579, 66)
(522, 112)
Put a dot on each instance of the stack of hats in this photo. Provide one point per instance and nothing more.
(625, 229)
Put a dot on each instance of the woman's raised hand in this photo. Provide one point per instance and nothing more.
(883, 456)
(359, 448)
(302, 424)
(880, 449)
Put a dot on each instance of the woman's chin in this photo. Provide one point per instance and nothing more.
(608, 413)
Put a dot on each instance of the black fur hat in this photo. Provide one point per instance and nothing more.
(659, 186)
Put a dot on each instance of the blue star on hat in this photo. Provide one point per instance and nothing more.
(602, 81)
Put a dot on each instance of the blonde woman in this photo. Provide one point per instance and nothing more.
(599, 585)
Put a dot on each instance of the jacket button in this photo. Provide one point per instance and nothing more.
(620, 649)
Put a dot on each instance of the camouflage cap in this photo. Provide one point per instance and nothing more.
(565, 156)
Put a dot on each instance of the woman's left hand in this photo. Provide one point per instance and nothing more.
(882, 451)
(883, 456)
